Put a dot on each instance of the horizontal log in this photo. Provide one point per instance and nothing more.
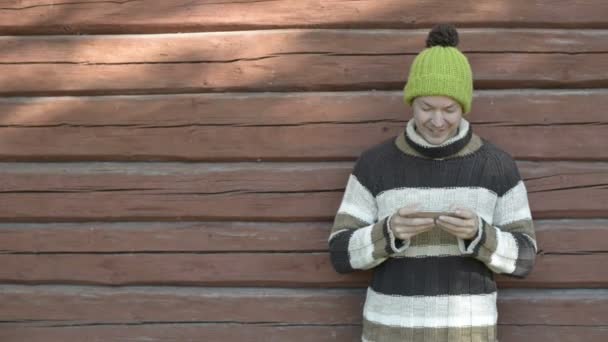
(248, 45)
(33, 17)
(107, 305)
(562, 334)
(262, 332)
(553, 236)
(256, 269)
(167, 237)
(533, 125)
(178, 332)
(87, 305)
(33, 192)
(315, 72)
(71, 313)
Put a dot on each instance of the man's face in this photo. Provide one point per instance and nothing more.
(437, 118)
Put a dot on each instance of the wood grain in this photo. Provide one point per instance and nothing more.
(161, 223)
(295, 72)
(180, 332)
(553, 236)
(52, 313)
(533, 125)
(66, 192)
(177, 332)
(289, 60)
(295, 269)
(127, 16)
(89, 304)
(224, 47)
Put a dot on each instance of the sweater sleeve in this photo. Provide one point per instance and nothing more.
(508, 246)
(358, 239)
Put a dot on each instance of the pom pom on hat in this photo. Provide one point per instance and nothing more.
(441, 69)
(442, 35)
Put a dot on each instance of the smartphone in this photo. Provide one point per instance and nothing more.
(431, 214)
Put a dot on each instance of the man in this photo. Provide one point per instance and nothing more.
(435, 212)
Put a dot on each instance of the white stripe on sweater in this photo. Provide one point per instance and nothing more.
(428, 251)
(504, 258)
(512, 206)
(360, 248)
(478, 199)
(432, 312)
(357, 201)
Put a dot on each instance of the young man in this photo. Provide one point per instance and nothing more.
(433, 277)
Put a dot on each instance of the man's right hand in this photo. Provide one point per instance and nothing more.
(404, 227)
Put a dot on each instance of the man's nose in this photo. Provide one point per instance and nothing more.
(437, 120)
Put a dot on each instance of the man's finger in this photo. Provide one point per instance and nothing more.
(463, 212)
(410, 209)
(451, 227)
(413, 222)
(418, 221)
(445, 225)
(452, 220)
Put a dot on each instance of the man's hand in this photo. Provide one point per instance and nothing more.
(406, 227)
(464, 226)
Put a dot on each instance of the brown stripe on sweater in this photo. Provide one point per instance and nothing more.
(490, 239)
(435, 236)
(474, 144)
(488, 243)
(484, 254)
(525, 226)
(379, 333)
(379, 240)
(346, 221)
(471, 147)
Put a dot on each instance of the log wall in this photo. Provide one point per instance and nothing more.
(171, 169)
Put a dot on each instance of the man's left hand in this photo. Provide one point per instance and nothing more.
(464, 226)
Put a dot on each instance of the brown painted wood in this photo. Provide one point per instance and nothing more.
(294, 306)
(335, 141)
(178, 332)
(263, 332)
(178, 313)
(536, 125)
(256, 269)
(553, 236)
(29, 17)
(244, 45)
(92, 304)
(588, 271)
(245, 191)
(562, 334)
(525, 107)
(225, 269)
(314, 72)
(166, 237)
(571, 236)
(552, 307)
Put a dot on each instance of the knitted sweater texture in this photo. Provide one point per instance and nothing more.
(433, 287)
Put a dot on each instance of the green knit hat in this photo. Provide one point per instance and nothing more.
(441, 69)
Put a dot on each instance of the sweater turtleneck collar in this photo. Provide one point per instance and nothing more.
(448, 148)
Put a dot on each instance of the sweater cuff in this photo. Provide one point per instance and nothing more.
(467, 246)
(396, 245)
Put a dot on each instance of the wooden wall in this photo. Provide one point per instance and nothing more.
(170, 169)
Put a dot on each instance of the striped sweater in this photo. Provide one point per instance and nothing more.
(434, 286)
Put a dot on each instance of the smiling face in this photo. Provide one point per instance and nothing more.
(437, 118)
